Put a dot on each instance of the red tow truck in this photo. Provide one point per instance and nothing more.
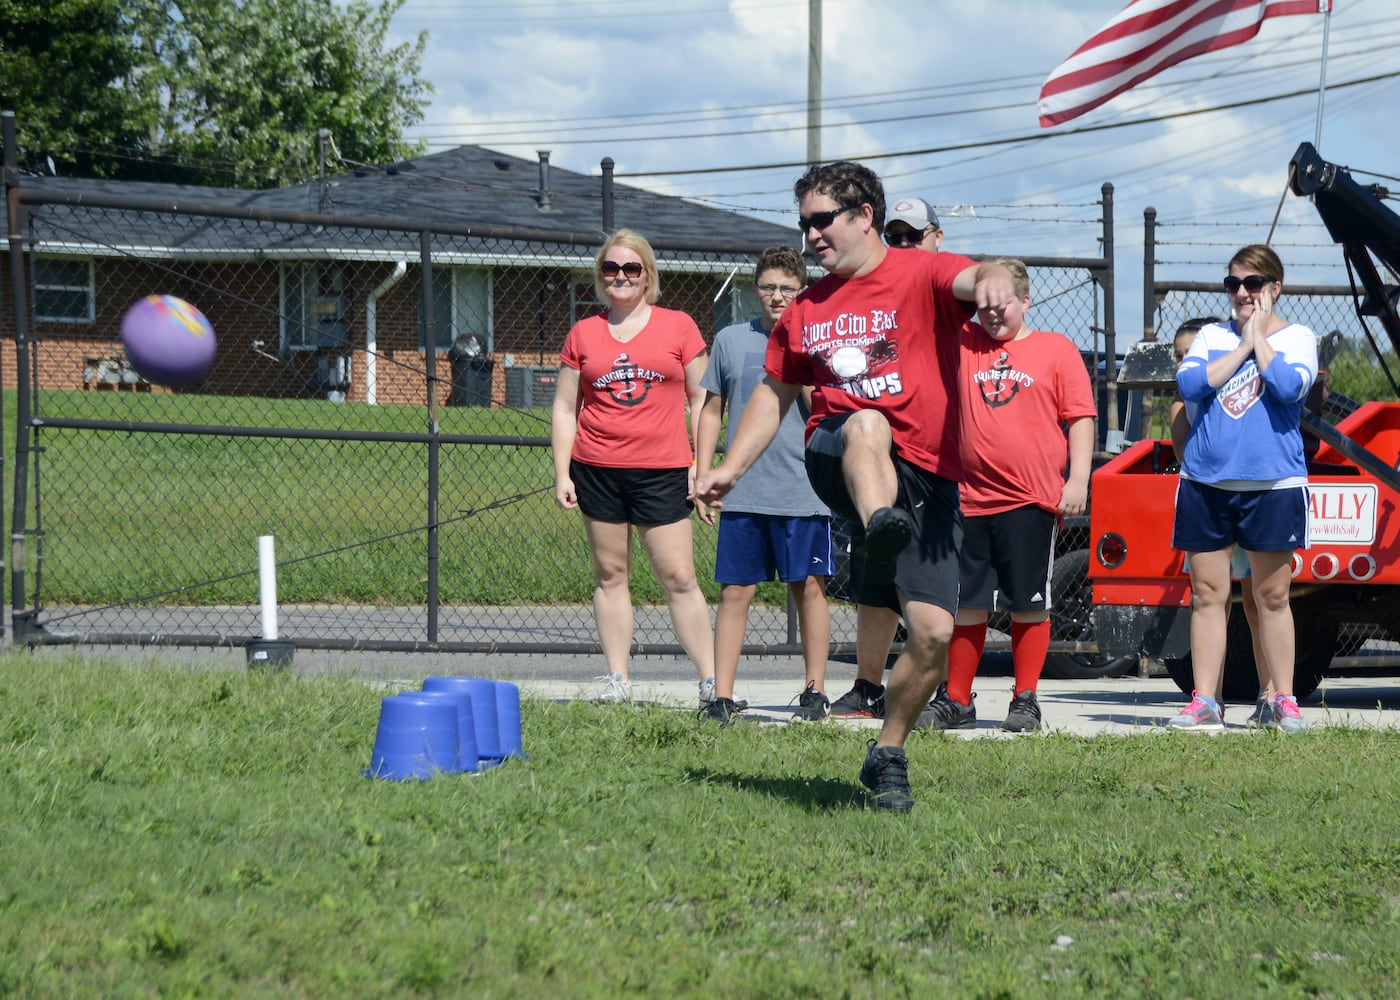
(1350, 570)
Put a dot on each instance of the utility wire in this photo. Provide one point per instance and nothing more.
(1034, 137)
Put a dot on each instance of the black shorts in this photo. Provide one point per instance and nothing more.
(927, 571)
(644, 497)
(1007, 559)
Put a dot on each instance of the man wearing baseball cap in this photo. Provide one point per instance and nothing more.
(912, 222)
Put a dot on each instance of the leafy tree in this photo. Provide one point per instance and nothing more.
(61, 65)
(235, 92)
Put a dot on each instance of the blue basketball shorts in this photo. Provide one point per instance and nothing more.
(754, 548)
(1209, 519)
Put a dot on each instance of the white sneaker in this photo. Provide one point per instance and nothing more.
(707, 691)
(616, 691)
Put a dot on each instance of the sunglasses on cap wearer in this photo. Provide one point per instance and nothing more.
(820, 220)
(1251, 282)
(611, 268)
(903, 236)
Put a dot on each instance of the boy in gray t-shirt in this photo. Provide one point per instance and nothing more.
(772, 523)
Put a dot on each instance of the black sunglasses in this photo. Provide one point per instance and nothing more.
(632, 269)
(904, 237)
(820, 220)
(1252, 283)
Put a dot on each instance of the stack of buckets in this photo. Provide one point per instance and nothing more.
(454, 724)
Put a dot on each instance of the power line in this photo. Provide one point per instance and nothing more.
(1383, 43)
(504, 139)
(1034, 137)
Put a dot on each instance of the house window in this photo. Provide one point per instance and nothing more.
(314, 306)
(63, 290)
(461, 305)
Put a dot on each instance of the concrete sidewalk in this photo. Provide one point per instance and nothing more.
(1121, 706)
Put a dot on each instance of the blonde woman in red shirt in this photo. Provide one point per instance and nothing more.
(624, 453)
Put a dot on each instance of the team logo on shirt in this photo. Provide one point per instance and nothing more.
(860, 367)
(1241, 392)
(627, 383)
(859, 351)
(1001, 382)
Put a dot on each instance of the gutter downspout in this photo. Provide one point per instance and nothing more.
(372, 331)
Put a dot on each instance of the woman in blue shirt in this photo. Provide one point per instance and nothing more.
(1244, 480)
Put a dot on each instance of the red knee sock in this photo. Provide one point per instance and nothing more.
(1029, 643)
(964, 653)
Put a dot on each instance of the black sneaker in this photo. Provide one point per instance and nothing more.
(722, 710)
(1024, 714)
(945, 713)
(864, 701)
(886, 536)
(886, 773)
(812, 705)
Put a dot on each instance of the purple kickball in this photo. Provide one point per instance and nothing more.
(168, 341)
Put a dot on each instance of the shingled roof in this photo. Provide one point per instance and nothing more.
(466, 186)
(477, 186)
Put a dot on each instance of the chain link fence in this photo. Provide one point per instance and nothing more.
(379, 404)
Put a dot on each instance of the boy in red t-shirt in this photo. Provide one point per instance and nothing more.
(1018, 387)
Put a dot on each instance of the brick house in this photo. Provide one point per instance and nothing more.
(316, 290)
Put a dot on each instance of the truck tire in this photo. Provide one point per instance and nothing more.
(1315, 643)
(1071, 600)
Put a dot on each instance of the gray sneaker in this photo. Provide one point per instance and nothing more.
(1024, 714)
(1263, 716)
(616, 691)
(945, 713)
(1290, 720)
(1197, 717)
(707, 691)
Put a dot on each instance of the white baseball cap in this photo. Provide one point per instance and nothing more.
(915, 213)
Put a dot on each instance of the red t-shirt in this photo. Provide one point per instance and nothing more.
(888, 341)
(1015, 396)
(632, 398)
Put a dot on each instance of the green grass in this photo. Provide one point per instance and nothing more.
(209, 834)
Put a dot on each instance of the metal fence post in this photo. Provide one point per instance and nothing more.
(425, 249)
(1149, 274)
(608, 219)
(1110, 335)
(16, 214)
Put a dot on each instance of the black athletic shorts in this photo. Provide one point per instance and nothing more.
(644, 497)
(926, 571)
(1007, 559)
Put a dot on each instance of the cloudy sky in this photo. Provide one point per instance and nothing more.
(944, 94)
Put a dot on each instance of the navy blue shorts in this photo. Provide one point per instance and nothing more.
(927, 570)
(1007, 559)
(644, 497)
(754, 548)
(1209, 519)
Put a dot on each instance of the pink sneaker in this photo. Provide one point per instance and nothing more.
(1290, 720)
(1197, 717)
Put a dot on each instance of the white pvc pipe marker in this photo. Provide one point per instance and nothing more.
(267, 584)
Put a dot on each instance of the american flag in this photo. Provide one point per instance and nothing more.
(1145, 38)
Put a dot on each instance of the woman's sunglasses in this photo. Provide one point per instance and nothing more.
(611, 268)
(1252, 283)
